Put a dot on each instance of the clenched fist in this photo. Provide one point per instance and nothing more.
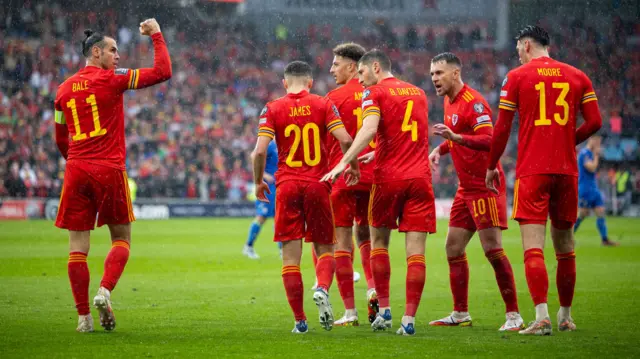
(149, 27)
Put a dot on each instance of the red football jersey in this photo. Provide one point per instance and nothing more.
(402, 143)
(469, 114)
(299, 123)
(348, 100)
(547, 95)
(90, 103)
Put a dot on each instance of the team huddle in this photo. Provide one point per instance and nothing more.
(358, 158)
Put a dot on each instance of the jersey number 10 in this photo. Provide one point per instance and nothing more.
(98, 130)
(560, 101)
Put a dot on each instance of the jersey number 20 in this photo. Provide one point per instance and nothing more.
(309, 130)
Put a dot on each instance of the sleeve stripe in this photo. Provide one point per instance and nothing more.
(589, 94)
(370, 112)
(372, 108)
(507, 105)
(59, 117)
(133, 82)
(590, 99)
(507, 102)
(336, 127)
(135, 85)
(266, 128)
(481, 126)
(506, 108)
(264, 134)
(333, 122)
(130, 78)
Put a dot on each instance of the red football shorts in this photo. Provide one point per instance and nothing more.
(91, 190)
(537, 197)
(479, 212)
(349, 204)
(408, 205)
(303, 210)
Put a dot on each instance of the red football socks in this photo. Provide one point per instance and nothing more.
(459, 282)
(325, 269)
(416, 276)
(114, 264)
(566, 277)
(79, 278)
(536, 273)
(504, 277)
(381, 270)
(365, 257)
(344, 277)
(292, 280)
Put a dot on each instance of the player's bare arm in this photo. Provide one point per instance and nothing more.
(259, 157)
(344, 139)
(364, 136)
(367, 157)
(498, 145)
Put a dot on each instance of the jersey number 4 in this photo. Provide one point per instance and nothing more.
(305, 134)
(408, 124)
(98, 130)
(560, 101)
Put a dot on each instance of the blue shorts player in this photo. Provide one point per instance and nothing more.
(264, 210)
(589, 195)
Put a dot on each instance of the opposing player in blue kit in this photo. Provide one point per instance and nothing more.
(589, 195)
(264, 210)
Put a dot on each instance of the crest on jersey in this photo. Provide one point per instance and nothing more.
(454, 119)
(504, 82)
(366, 94)
(478, 107)
(335, 111)
(122, 71)
(264, 111)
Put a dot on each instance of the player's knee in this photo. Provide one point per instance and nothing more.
(260, 220)
(362, 234)
(562, 225)
(600, 212)
(454, 248)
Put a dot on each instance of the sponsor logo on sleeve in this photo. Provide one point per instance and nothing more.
(335, 111)
(367, 103)
(504, 82)
(122, 71)
(503, 93)
(366, 94)
(264, 111)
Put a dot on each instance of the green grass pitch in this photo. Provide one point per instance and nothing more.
(188, 292)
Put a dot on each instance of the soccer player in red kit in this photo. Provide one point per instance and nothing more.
(547, 95)
(89, 119)
(299, 123)
(467, 130)
(350, 203)
(397, 112)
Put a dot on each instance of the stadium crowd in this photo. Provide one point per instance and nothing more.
(192, 136)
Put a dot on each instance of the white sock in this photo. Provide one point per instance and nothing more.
(564, 313)
(460, 315)
(542, 311)
(383, 309)
(351, 313)
(408, 320)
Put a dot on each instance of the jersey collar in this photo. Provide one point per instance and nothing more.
(462, 91)
(300, 94)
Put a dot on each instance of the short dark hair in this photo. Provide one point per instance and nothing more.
(536, 33)
(448, 57)
(349, 50)
(376, 55)
(298, 69)
(93, 38)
